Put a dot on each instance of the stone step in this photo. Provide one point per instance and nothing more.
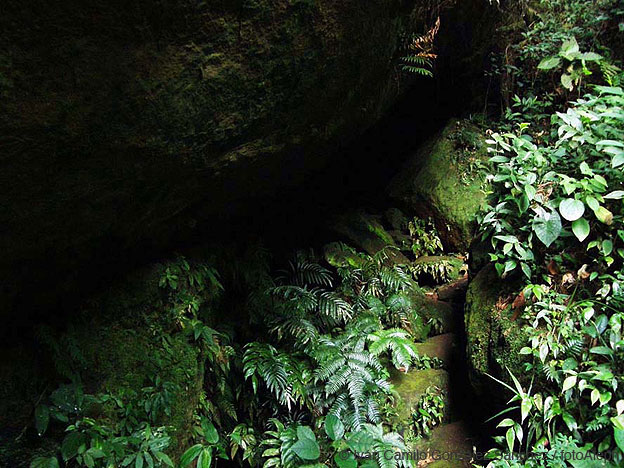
(448, 446)
(454, 292)
(442, 312)
(440, 346)
(412, 385)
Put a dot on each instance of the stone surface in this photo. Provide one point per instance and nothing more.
(122, 122)
(431, 308)
(493, 339)
(440, 181)
(366, 232)
(440, 346)
(412, 385)
(448, 446)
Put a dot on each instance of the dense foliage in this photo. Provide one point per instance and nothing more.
(316, 390)
(556, 221)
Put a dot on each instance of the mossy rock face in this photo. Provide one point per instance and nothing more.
(440, 346)
(412, 385)
(493, 339)
(340, 255)
(119, 343)
(442, 181)
(366, 232)
(441, 312)
(128, 120)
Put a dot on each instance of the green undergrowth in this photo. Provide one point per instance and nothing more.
(555, 230)
(226, 358)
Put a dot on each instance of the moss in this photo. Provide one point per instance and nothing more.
(429, 308)
(396, 218)
(412, 385)
(441, 181)
(366, 232)
(440, 346)
(337, 256)
(125, 338)
(494, 340)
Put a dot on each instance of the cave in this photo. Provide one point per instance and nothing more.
(254, 233)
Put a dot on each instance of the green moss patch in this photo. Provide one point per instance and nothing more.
(440, 346)
(494, 339)
(442, 181)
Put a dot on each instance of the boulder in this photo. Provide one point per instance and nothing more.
(493, 338)
(412, 385)
(439, 346)
(448, 446)
(441, 313)
(366, 232)
(125, 124)
(441, 181)
(122, 340)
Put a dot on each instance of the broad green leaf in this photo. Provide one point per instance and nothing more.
(610, 143)
(42, 418)
(607, 246)
(510, 436)
(618, 422)
(547, 227)
(210, 432)
(569, 420)
(569, 382)
(307, 449)
(205, 458)
(345, 459)
(617, 161)
(571, 209)
(586, 170)
(595, 396)
(510, 265)
(604, 215)
(71, 444)
(334, 427)
(566, 81)
(602, 350)
(618, 436)
(507, 422)
(163, 457)
(592, 202)
(580, 228)
(304, 432)
(190, 455)
(525, 407)
(549, 63)
(569, 49)
(590, 57)
(605, 398)
(615, 195)
(511, 239)
(138, 461)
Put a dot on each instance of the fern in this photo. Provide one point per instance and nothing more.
(285, 376)
(303, 271)
(420, 57)
(402, 349)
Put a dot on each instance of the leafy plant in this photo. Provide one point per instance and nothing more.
(420, 57)
(428, 412)
(575, 63)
